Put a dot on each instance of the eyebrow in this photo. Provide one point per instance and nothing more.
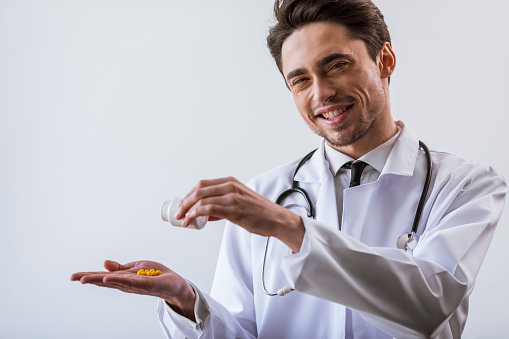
(319, 64)
(294, 73)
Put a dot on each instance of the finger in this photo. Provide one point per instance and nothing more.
(142, 284)
(94, 278)
(127, 288)
(165, 286)
(78, 275)
(112, 266)
(97, 277)
(192, 197)
(205, 189)
(207, 183)
(207, 206)
(116, 287)
(213, 207)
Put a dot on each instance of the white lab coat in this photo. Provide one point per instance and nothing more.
(391, 293)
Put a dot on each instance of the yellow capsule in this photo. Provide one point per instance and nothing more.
(158, 272)
(141, 271)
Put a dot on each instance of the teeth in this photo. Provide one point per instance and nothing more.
(334, 114)
(331, 114)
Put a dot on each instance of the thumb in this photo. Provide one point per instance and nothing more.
(111, 266)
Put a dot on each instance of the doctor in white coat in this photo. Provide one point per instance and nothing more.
(349, 278)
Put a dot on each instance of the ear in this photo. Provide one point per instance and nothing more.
(386, 60)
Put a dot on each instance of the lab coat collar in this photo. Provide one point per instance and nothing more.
(401, 160)
(403, 156)
(315, 169)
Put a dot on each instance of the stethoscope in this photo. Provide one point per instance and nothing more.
(406, 242)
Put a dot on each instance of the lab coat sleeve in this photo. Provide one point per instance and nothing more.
(213, 319)
(177, 326)
(403, 294)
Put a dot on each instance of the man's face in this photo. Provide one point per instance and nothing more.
(337, 87)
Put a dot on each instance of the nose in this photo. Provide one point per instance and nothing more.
(323, 90)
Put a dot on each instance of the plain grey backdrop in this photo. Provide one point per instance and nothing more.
(109, 107)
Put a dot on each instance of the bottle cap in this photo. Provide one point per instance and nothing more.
(168, 211)
(171, 207)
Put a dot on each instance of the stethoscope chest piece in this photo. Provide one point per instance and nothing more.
(407, 242)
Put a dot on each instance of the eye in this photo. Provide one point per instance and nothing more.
(338, 65)
(298, 81)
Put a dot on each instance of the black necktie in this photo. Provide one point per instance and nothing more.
(356, 172)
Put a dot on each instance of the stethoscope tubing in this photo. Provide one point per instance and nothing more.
(425, 189)
(311, 212)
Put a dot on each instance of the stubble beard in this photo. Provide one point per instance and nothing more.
(341, 137)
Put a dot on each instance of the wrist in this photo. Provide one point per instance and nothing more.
(185, 303)
(291, 231)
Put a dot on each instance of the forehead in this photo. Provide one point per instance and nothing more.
(316, 40)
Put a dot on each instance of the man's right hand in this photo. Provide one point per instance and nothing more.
(168, 286)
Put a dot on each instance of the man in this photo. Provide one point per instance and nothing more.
(365, 181)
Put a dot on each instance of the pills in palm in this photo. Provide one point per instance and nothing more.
(150, 272)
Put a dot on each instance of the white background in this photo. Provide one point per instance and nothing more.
(109, 107)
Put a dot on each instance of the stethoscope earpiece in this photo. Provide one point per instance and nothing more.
(285, 290)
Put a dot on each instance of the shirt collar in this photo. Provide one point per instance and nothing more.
(376, 158)
(401, 161)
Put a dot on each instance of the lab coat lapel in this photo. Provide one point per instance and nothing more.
(368, 204)
(326, 207)
(317, 170)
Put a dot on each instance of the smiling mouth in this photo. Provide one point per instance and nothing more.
(335, 113)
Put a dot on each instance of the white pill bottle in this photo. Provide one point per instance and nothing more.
(171, 207)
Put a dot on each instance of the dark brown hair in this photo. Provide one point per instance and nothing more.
(362, 19)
